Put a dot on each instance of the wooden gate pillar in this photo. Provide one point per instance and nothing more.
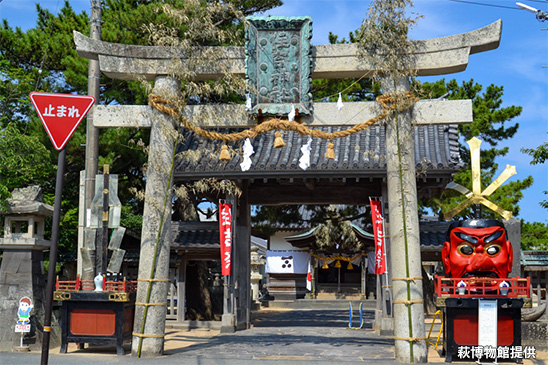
(242, 261)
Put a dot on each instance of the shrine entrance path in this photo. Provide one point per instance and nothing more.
(297, 335)
(277, 337)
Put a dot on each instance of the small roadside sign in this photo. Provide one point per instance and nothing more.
(61, 114)
(22, 328)
(23, 316)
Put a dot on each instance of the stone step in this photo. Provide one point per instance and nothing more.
(340, 296)
(342, 304)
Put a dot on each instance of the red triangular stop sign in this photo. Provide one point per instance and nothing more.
(61, 114)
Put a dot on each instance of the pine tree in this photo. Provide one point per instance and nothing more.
(539, 155)
(44, 58)
(534, 236)
(490, 125)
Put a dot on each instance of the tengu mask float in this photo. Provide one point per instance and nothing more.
(477, 248)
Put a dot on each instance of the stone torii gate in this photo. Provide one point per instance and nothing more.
(438, 56)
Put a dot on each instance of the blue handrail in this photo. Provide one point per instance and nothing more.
(350, 317)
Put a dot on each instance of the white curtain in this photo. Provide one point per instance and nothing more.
(287, 262)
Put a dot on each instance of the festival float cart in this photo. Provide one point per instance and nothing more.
(96, 315)
(99, 311)
(482, 312)
(481, 304)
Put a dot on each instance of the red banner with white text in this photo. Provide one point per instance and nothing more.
(378, 231)
(225, 231)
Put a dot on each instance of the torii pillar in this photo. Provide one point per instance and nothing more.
(153, 283)
(405, 251)
(438, 56)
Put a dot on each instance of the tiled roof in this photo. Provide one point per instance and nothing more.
(310, 233)
(432, 235)
(206, 235)
(195, 235)
(361, 154)
(534, 258)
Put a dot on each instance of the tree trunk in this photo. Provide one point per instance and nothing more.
(428, 293)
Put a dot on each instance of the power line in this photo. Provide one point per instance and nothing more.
(484, 4)
(512, 1)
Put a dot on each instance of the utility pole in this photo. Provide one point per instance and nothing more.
(92, 133)
(541, 15)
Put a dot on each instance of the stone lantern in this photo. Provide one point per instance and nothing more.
(22, 269)
(256, 276)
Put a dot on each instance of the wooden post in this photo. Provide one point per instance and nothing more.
(181, 291)
(313, 294)
(242, 260)
(92, 134)
(364, 276)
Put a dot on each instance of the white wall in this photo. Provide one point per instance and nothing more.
(277, 242)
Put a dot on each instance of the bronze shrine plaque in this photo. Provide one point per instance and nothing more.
(278, 64)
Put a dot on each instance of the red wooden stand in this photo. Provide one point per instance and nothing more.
(460, 311)
(87, 316)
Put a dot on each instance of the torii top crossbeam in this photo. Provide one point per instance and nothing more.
(436, 56)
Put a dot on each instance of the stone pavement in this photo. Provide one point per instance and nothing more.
(277, 337)
(316, 335)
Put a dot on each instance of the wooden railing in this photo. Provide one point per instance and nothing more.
(88, 285)
(473, 287)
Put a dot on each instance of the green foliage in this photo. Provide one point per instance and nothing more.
(130, 220)
(539, 155)
(44, 58)
(334, 230)
(534, 236)
(352, 38)
(47, 47)
(250, 7)
(362, 89)
(267, 218)
(491, 126)
(333, 222)
(15, 85)
(68, 236)
(58, 266)
(23, 161)
(490, 119)
(337, 235)
(383, 39)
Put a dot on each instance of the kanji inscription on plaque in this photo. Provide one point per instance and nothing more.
(278, 64)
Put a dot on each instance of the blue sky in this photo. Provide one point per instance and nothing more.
(517, 64)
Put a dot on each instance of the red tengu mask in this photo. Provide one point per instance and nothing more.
(477, 247)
